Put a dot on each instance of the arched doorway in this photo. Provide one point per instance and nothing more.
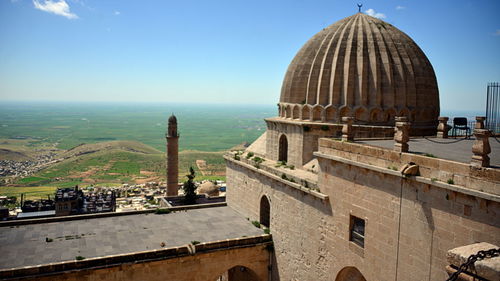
(265, 212)
(283, 149)
(238, 273)
(350, 274)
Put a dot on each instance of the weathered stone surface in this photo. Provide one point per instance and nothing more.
(481, 148)
(488, 268)
(443, 128)
(347, 133)
(402, 134)
(410, 170)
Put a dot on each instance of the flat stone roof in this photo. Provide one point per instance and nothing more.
(458, 149)
(25, 245)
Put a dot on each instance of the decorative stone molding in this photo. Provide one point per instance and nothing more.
(481, 147)
(443, 128)
(347, 132)
(402, 134)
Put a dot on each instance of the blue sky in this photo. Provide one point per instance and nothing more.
(220, 51)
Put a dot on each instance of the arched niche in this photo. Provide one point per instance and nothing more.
(330, 113)
(350, 273)
(306, 112)
(343, 112)
(288, 111)
(238, 273)
(296, 112)
(317, 110)
(265, 212)
(283, 148)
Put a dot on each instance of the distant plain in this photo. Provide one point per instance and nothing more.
(109, 144)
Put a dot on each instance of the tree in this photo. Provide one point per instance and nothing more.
(189, 188)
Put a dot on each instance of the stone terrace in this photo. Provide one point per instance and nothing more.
(25, 245)
(459, 150)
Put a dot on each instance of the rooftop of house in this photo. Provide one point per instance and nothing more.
(51, 242)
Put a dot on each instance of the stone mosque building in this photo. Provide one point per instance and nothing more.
(346, 193)
(348, 210)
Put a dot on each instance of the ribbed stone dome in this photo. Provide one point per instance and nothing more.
(363, 67)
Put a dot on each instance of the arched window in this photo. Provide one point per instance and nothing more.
(283, 149)
(265, 212)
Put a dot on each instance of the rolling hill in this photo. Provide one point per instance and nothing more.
(116, 162)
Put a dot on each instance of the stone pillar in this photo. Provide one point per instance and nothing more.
(442, 129)
(172, 157)
(479, 122)
(402, 134)
(481, 147)
(347, 133)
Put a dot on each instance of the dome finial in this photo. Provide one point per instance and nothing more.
(359, 7)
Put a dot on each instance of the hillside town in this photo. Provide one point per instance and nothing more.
(96, 199)
(12, 168)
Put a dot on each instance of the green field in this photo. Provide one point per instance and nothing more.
(30, 192)
(116, 166)
(106, 144)
(201, 127)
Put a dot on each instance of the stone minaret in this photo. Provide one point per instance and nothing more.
(172, 157)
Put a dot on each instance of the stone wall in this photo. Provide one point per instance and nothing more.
(299, 222)
(205, 261)
(294, 137)
(434, 171)
(303, 137)
(410, 222)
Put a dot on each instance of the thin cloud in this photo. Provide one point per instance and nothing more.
(60, 8)
(400, 7)
(497, 33)
(371, 12)
(116, 13)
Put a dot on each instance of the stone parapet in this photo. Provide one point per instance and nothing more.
(134, 258)
(295, 182)
(437, 171)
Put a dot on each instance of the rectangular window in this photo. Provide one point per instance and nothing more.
(357, 229)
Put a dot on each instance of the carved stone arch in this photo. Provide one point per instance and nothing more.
(306, 112)
(361, 114)
(282, 110)
(296, 111)
(344, 111)
(288, 111)
(350, 273)
(405, 112)
(376, 115)
(330, 114)
(390, 114)
(317, 113)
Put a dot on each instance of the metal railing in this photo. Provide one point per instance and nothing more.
(493, 107)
